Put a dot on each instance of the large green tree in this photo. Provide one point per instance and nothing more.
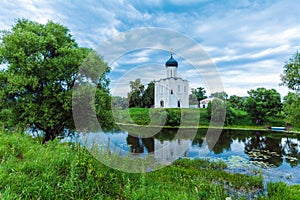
(291, 73)
(291, 79)
(219, 112)
(236, 102)
(118, 102)
(135, 95)
(148, 96)
(42, 64)
(291, 108)
(262, 103)
(199, 93)
(221, 95)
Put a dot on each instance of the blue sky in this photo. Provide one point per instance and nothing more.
(249, 41)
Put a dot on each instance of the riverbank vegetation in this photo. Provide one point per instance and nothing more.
(196, 117)
(68, 171)
(262, 108)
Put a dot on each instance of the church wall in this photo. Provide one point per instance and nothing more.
(170, 91)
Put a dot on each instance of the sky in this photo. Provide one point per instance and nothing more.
(246, 42)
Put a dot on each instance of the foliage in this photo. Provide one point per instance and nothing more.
(291, 73)
(36, 88)
(140, 116)
(118, 102)
(221, 95)
(280, 190)
(216, 112)
(135, 95)
(263, 103)
(162, 116)
(240, 117)
(291, 108)
(140, 97)
(173, 116)
(236, 102)
(193, 99)
(199, 93)
(148, 96)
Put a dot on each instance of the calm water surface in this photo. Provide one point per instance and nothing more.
(276, 154)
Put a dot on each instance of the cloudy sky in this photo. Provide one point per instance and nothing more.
(247, 41)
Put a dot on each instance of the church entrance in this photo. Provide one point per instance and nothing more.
(161, 103)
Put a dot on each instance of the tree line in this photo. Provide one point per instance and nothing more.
(261, 105)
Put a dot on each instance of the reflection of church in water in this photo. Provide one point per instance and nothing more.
(172, 91)
(163, 151)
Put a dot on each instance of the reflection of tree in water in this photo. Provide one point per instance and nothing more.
(223, 143)
(149, 144)
(137, 144)
(291, 151)
(166, 134)
(258, 147)
(264, 149)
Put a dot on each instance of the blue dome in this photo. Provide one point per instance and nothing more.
(171, 62)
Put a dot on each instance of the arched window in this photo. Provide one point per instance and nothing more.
(161, 103)
(178, 104)
(171, 91)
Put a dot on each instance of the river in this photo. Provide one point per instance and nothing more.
(275, 154)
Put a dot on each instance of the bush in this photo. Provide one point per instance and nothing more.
(173, 116)
(140, 116)
(241, 117)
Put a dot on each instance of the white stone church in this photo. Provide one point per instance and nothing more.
(172, 91)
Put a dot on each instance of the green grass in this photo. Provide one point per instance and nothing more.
(29, 170)
(170, 118)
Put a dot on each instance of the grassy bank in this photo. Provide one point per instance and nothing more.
(189, 118)
(29, 170)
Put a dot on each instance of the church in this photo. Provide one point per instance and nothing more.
(172, 91)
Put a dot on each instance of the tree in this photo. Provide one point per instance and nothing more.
(291, 108)
(119, 102)
(262, 103)
(199, 93)
(135, 95)
(148, 96)
(221, 95)
(236, 102)
(193, 99)
(291, 73)
(43, 61)
(219, 112)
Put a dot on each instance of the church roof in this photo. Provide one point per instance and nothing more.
(171, 62)
(174, 78)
